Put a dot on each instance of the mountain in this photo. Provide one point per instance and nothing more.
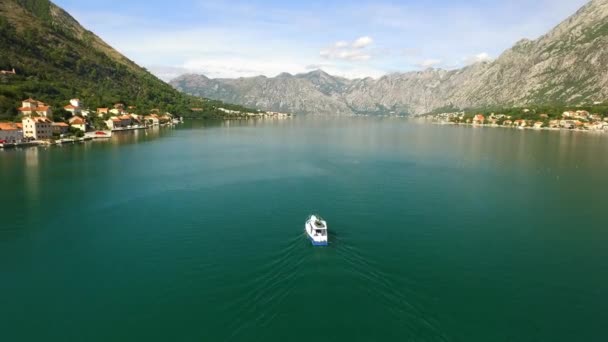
(56, 59)
(297, 94)
(567, 66)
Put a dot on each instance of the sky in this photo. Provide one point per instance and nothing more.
(358, 38)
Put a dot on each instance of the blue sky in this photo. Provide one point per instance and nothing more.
(348, 38)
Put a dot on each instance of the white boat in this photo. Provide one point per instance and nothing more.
(316, 229)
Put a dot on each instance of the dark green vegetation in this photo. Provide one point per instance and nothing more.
(57, 59)
(530, 113)
(536, 113)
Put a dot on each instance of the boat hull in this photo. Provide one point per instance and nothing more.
(315, 242)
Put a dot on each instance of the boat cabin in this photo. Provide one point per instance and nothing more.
(319, 227)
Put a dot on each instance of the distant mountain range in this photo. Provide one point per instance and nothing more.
(568, 65)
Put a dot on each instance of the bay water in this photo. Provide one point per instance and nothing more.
(196, 233)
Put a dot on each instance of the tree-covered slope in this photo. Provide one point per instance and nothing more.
(57, 59)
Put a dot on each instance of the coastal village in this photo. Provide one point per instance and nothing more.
(37, 126)
(579, 120)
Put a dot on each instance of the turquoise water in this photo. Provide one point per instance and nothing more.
(437, 233)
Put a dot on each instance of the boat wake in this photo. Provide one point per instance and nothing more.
(268, 286)
(396, 296)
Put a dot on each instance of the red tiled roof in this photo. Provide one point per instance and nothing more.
(76, 121)
(34, 109)
(8, 126)
(69, 107)
(40, 119)
(60, 124)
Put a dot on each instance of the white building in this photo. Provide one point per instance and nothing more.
(39, 128)
(152, 119)
(102, 111)
(117, 123)
(74, 107)
(31, 106)
(79, 123)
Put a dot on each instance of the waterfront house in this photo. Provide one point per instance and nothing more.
(126, 120)
(136, 119)
(597, 126)
(38, 128)
(165, 119)
(507, 123)
(567, 124)
(119, 122)
(152, 119)
(595, 117)
(582, 114)
(538, 125)
(31, 106)
(60, 128)
(554, 123)
(479, 119)
(113, 123)
(78, 123)
(10, 133)
(520, 123)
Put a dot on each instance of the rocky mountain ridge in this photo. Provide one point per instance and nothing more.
(568, 65)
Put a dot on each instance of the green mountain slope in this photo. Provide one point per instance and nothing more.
(57, 59)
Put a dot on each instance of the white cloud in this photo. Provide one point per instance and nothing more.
(167, 73)
(404, 34)
(363, 42)
(354, 52)
(345, 54)
(232, 67)
(481, 57)
(429, 63)
(341, 44)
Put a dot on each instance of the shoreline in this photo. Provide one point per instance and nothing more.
(521, 128)
(89, 136)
